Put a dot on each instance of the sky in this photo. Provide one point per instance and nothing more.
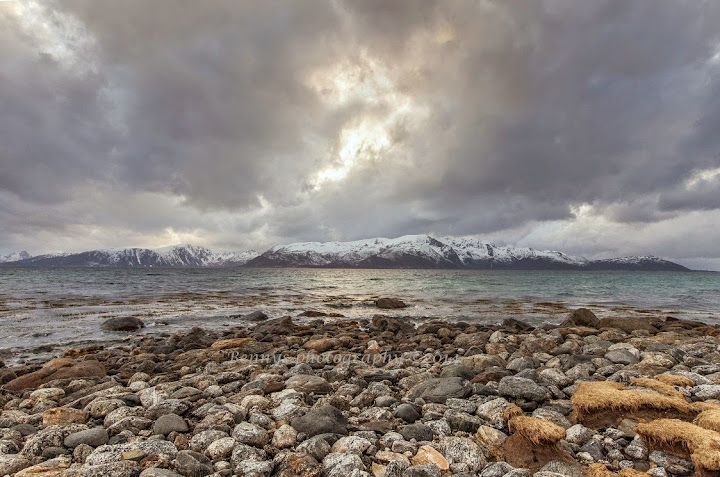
(587, 127)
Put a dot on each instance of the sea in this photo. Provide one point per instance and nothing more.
(44, 310)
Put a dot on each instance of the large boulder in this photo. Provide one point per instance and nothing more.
(123, 323)
(581, 317)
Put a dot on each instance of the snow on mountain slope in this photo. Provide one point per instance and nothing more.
(174, 256)
(414, 251)
(14, 257)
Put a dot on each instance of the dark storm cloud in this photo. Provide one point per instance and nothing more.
(218, 118)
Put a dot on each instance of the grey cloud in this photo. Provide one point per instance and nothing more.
(519, 112)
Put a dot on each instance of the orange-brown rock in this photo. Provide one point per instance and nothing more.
(428, 455)
(58, 368)
(321, 345)
(231, 343)
(62, 416)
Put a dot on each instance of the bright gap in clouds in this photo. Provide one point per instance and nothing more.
(364, 84)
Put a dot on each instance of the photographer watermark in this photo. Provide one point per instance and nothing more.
(374, 359)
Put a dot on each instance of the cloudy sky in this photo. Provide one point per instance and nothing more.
(587, 127)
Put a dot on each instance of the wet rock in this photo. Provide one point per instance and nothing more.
(581, 317)
(123, 323)
(389, 303)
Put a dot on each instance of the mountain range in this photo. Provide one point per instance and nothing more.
(409, 251)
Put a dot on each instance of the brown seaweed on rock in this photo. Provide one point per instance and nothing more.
(682, 438)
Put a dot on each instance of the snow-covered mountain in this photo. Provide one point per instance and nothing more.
(409, 251)
(424, 251)
(175, 256)
(14, 257)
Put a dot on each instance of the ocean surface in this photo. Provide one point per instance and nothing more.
(44, 310)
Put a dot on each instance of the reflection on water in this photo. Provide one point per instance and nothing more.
(65, 305)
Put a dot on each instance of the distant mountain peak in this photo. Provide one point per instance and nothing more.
(14, 257)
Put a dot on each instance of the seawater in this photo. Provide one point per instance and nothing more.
(48, 309)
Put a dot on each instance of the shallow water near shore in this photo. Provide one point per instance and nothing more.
(45, 309)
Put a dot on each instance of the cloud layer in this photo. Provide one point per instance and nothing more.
(589, 127)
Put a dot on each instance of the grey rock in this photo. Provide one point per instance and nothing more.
(156, 472)
(595, 448)
(202, 440)
(321, 420)
(168, 423)
(462, 453)
(427, 470)
(341, 465)
(440, 389)
(496, 469)
(81, 452)
(637, 449)
(523, 388)
(407, 412)
(193, 464)
(308, 383)
(251, 434)
(552, 416)
(243, 452)
(92, 437)
(254, 468)
(123, 323)
(562, 468)
(581, 317)
(492, 412)
(579, 434)
(317, 447)
(419, 432)
(113, 453)
(621, 356)
(706, 391)
(457, 371)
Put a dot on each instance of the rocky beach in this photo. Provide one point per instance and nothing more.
(382, 396)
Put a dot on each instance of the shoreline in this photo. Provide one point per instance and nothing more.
(379, 396)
